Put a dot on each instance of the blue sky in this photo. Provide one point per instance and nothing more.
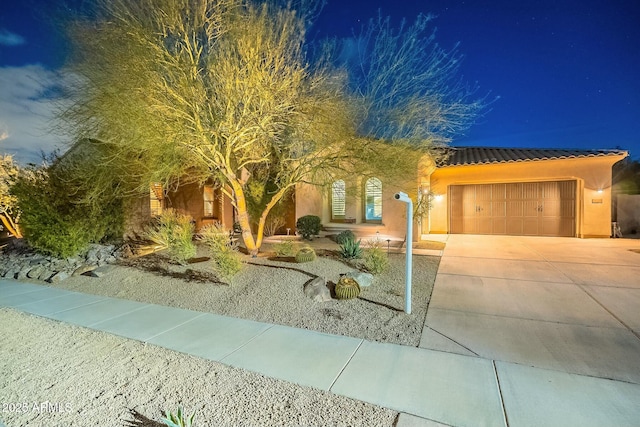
(566, 71)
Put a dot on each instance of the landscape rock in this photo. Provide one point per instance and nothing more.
(18, 261)
(45, 275)
(83, 269)
(317, 290)
(35, 272)
(101, 271)
(58, 277)
(364, 279)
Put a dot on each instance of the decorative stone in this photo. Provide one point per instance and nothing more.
(364, 279)
(58, 277)
(317, 290)
(35, 272)
(46, 274)
(347, 288)
(305, 255)
(101, 271)
(83, 269)
(22, 274)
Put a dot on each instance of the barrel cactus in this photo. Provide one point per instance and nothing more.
(347, 288)
(305, 255)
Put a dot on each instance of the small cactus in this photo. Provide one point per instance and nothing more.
(305, 255)
(347, 288)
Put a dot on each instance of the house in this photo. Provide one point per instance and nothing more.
(475, 190)
(481, 190)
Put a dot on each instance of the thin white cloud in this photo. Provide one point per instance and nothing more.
(7, 38)
(26, 112)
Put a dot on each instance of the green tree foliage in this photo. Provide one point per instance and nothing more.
(409, 87)
(626, 176)
(51, 219)
(189, 90)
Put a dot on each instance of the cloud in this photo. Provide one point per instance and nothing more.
(26, 112)
(7, 38)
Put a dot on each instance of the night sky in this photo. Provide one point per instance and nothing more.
(566, 72)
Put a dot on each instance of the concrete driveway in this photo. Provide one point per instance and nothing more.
(569, 305)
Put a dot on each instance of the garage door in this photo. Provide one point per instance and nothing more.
(521, 209)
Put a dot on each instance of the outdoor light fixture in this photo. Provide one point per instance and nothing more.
(402, 197)
(438, 197)
(599, 191)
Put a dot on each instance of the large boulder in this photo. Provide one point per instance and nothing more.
(317, 290)
(364, 279)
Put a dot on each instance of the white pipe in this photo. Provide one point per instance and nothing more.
(402, 197)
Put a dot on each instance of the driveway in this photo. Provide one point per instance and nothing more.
(562, 304)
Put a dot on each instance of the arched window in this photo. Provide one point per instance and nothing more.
(338, 200)
(373, 200)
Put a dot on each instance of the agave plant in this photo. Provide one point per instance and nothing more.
(178, 419)
(350, 249)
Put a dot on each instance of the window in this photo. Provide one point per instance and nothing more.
(155, 199)
(209, 201)
(338, 200)
(373, 200)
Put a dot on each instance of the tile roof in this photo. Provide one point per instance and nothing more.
(460, 156)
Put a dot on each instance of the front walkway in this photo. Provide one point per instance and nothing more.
(448, 383)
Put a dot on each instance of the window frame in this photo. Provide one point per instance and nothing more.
(343, 201)
(378, 194)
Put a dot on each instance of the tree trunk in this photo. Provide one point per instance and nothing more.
(11, 226)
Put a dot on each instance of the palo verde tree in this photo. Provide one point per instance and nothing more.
(9, 172)
(177, 90)
(191, 90)
(409, 88)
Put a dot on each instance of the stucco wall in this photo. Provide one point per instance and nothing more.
(628, 214)
(312, 200)
(593, 176)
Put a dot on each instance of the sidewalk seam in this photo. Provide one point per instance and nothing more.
(146, 340)
(221, 359)
(94, 325)
(345, 365)
(504, 412)
(609, 311)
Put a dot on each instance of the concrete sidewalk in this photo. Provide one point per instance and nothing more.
(429, 387)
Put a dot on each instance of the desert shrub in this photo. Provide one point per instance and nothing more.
(272, 225)
(226, 259)
(286, 248)
(309, 226)
(351, 249)
(55, 222)
(175, 232)
(215, 236)
(375, 260)
(178, 420)
(344, 236)
(226, 263)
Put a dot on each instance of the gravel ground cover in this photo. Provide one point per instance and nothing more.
(54, 375)
(271, 290)
(85, 377)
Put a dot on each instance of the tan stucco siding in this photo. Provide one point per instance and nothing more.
(312, 200)
(592, 175)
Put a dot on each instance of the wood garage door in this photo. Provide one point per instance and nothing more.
(520, 209)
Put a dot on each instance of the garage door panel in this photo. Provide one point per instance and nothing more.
(515, 226)
(499, 225)
(530, 208)
(515, 208)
